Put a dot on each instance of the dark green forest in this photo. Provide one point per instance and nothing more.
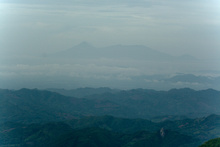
(212, 143)
(138, 117)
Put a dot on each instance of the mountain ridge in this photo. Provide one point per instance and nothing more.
(37, 105)
(140, 52)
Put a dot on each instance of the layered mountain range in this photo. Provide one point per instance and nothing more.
(108, 117)
(40, 105)
(116, 66)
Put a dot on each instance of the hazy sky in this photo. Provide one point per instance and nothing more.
(175, 27)
(32, 27)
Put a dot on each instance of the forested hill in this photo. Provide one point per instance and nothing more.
(60, 134)
(38, 117)
(212, 143)
(111, 131)
(34, 105)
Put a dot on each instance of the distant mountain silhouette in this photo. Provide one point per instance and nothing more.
(82, 50)
(190, 78)
(136, 52)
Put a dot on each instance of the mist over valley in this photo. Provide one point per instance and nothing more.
(117, 66)
(94, 73)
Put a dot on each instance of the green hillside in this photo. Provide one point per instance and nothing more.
(43, 118)
(32, 106)
(129, 132)
(60, 134)
(212, 143)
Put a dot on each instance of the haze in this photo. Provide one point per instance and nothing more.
(36, 34)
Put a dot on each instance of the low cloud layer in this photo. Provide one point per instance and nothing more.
(33, 30)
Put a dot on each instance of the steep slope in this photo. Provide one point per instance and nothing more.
(212, 143)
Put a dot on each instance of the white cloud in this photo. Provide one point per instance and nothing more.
(68, 70)
(46, 26)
